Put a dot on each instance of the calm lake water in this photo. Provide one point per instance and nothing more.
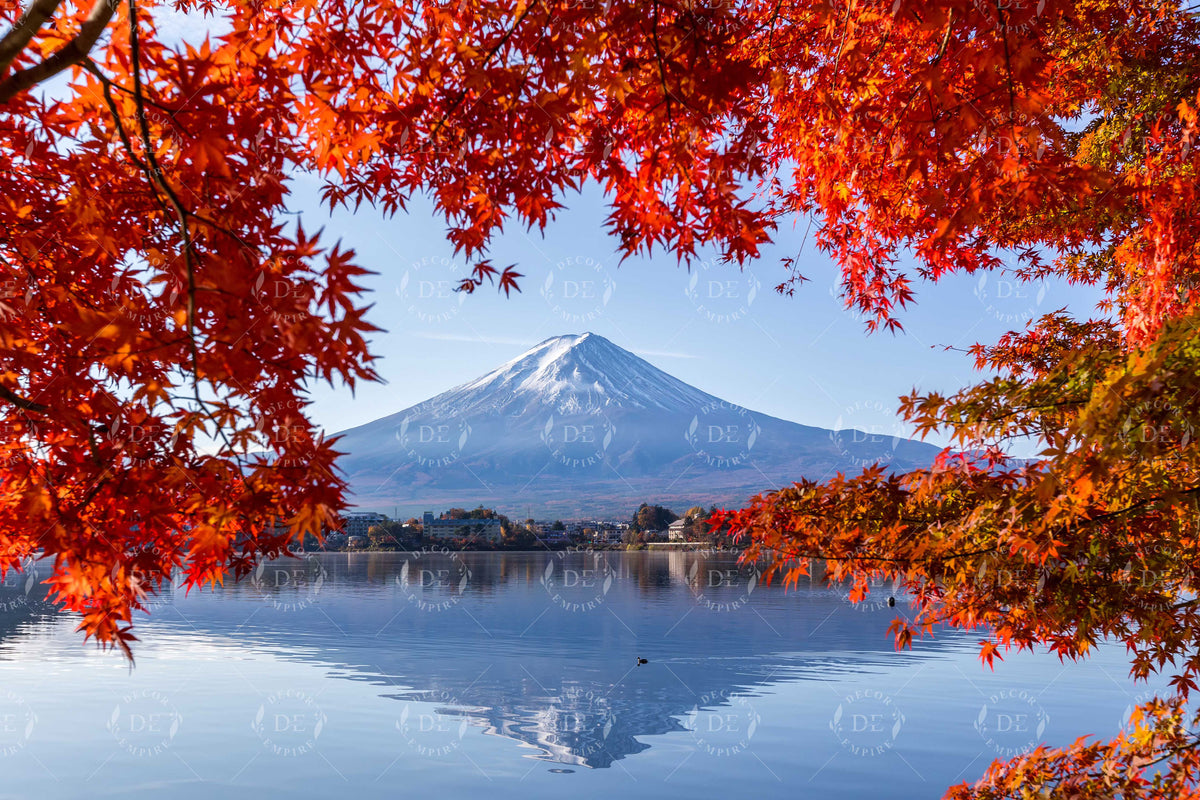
(516, 675)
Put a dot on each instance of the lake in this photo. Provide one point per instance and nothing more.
(512, 675)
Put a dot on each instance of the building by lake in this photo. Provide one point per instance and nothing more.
(460, 528)
(357, 523)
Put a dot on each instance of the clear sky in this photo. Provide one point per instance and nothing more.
(804, 358)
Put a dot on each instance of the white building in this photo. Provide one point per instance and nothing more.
(675, 531)
(460, 528)
(357, 523)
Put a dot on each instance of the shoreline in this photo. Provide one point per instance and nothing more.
(622, 548)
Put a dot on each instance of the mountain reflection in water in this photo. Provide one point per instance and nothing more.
(543, 649)
(538, 647)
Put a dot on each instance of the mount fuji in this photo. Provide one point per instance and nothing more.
(578, 428)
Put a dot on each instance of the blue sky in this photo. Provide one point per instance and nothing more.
(804, 358)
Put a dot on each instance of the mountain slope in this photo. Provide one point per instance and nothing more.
(579, 427)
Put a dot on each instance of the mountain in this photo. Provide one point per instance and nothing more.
(578, 427)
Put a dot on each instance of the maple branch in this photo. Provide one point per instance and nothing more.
(69, 55)
(937, 59)
(156, 176)
(93, 491)
(22, 402)
(105, 86)
(662, 77)
(486, 60)
(837, 60)
(908, 560)
(941, 53)
(936, 557)
(1141, 504)
(1012, 109)
(90, 65)
(29, 23)
(225, 230)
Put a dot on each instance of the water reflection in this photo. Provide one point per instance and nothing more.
(24, 607)
(544, 648)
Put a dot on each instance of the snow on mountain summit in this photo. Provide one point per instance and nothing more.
(574, 369)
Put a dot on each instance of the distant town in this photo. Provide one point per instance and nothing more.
(486, 529)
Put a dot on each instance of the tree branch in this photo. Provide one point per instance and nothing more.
(909, 560)
(157, 177)
(23, 31)
(458, 101)
(69, 55)
(90, 65)
(21, 402)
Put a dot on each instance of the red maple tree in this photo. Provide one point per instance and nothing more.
(162, 316)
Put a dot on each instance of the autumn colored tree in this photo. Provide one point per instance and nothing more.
(1060, 139)
(163, 315)
(391, 535)
(650, 518)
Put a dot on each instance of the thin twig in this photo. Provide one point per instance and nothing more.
(156, 175)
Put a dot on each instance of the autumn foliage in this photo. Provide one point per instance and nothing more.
(163, 314)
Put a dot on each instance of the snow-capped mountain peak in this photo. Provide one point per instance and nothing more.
(577, 426)
(578, 368)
